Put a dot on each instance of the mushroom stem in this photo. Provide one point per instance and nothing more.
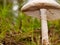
(45, 40)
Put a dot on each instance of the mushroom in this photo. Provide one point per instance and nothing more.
(44, 10)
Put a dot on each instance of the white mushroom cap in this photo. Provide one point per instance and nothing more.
(32, 8)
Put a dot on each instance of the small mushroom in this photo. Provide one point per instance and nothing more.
(44, 10)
